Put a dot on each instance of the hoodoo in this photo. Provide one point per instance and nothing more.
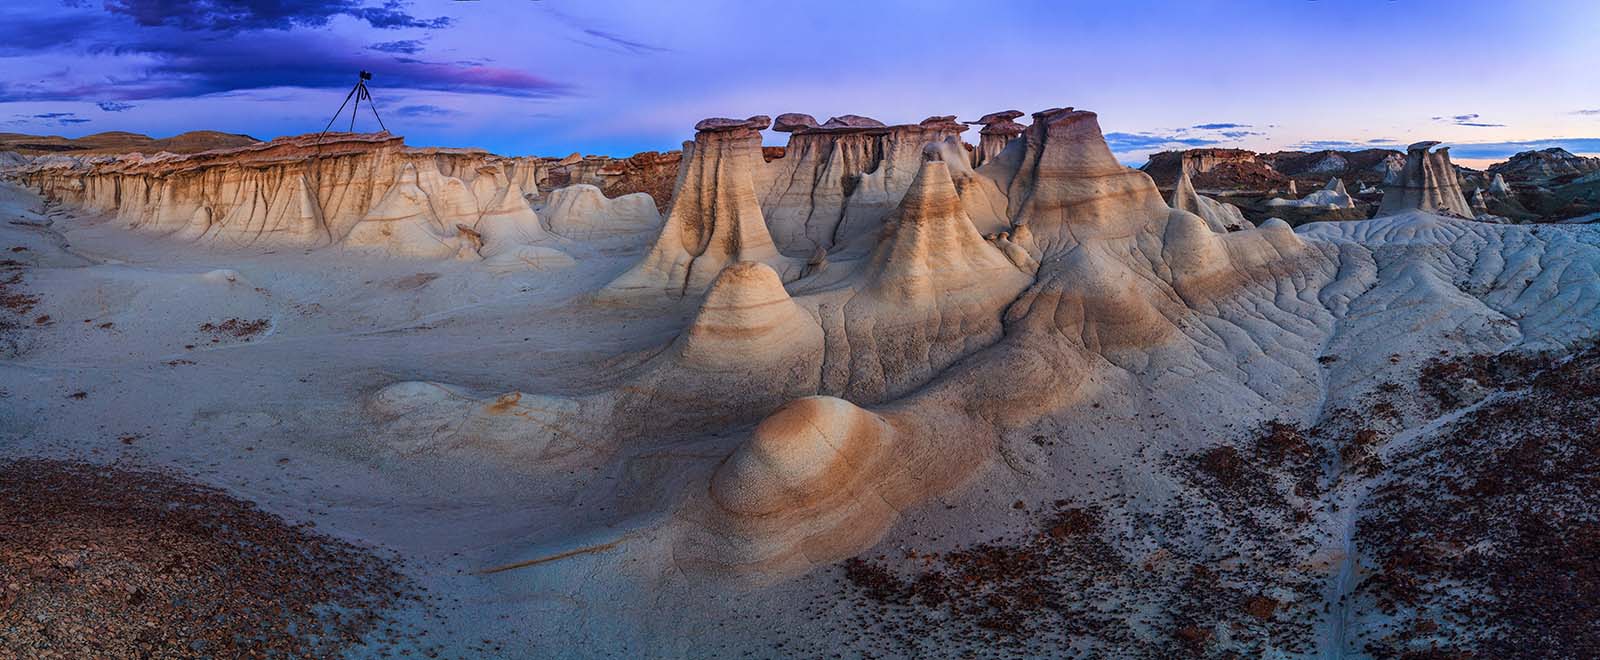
(1219, 216)
(999, 129)
(836, 181)
(715, 219)
(1428, 183)
(1067, 187)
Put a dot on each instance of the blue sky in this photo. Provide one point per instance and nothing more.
(551, 77)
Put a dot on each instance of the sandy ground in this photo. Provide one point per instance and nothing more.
(252, 372)
(123, 369)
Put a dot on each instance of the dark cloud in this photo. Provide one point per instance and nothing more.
(629, 45)
(28, 34)
(240, 15)
(423, 110)
(1122, 142)
(188, 67)
(1200, 135)
(1467, 120)
(56, 118)
(115, 106)
(391, 16)
(407, 46)
(602, 39)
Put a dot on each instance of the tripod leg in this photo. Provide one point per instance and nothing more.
(336, 114)
(362, 92)
(374, 108)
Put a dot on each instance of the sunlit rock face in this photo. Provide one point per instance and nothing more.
(837, 180)
(359, 191)
(1428, 183)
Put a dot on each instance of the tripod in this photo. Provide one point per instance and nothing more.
(358, 92)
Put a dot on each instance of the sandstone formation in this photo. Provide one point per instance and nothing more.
(1032, 383)
(1428, 183)
(1545, 166)
(1219, 216)
(999, 128)
(363, 191)
(1212, 168)
(1498, 186)
(122, 142)
(1331, 196)
(583, 212)
(715, 219)
(837, 180)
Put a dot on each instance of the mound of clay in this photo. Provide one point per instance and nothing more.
(1332, 196)
(403, 222)
(582, 212)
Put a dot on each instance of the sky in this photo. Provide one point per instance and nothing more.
(552, 77)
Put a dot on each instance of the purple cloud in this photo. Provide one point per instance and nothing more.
(424, 110)
(240, 15)
(188, 67)
(57, 118)
(1467, 120)
(406, 46)
(115, 106)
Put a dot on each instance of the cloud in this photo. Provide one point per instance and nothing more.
(1466, 120)
(239, 15)
(115, 106)
(627, 44)
(1586, 112)
(186, 68)
(1201, 135)
(57, 118)
(609, 41)
(1346, 145)
(424, 110)
(390, 16)
(406, 46)
(1125, 142)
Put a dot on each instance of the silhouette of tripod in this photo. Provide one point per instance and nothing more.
(358, 92)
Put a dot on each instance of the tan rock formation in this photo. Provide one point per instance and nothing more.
(999, 129)
(1219, 216)
(1067, 187)
(583, 212)
(715, 219)
(362, 191)
(1331, 196)
(836, 181)
(1428, 183)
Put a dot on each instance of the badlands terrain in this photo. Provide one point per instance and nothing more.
(877, 393)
